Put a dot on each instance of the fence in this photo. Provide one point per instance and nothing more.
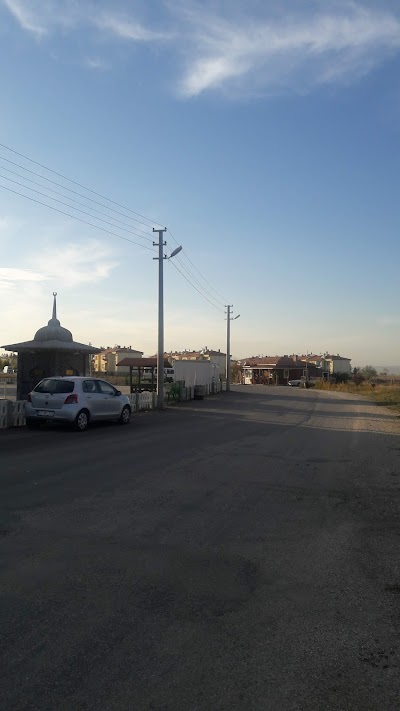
(143, 401)
(12, 413)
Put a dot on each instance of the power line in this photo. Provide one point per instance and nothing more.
(200, 285)
(70, 206)
(56, 192)
(195, 287)
(74, 217)
(103, 197)
(197, 270)
(74, 182)
(64, 187)
(192, 276)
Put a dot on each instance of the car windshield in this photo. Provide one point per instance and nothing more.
(55, 386)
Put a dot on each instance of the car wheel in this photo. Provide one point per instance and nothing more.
(81, 421)
(125, 415)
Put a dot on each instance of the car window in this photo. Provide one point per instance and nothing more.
(106, 388)
(90, 386)
(55, 386)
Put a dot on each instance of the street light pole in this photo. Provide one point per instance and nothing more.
(228, 346)
(160, 349)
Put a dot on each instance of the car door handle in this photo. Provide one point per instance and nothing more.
(88, 397)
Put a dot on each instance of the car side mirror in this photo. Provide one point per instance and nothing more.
(118, 392)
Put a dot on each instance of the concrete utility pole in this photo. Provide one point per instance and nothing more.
(228, 348)
(228, 345)
(160, 352)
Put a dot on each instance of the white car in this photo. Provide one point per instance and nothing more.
(76, 401)
(295, 383)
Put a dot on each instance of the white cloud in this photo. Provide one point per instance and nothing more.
(74, 264)
(253, 56)
(9, 276)
(128, 29)
(239, 49)
(43, 17)
(96, 63)
(26, 15)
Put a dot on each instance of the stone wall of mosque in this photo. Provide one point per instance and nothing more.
(35, 365)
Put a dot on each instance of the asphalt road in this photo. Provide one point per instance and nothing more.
(236, 553)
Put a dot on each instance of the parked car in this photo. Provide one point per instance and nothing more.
(295, 383)
(76, 401)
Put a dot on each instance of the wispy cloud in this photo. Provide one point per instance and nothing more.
(236, 49)
(42, 17)
(255, 55)
(81, 263)
(127, 29)
(10, 276)
(97, 63)
(26, 16)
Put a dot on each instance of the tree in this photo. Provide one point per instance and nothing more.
(369, 372)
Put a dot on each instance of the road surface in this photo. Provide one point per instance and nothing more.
(237, 553)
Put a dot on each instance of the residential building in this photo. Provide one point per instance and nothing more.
(108, 359)
(276, 370)
(216, 357)
(337, 364)
(280, 369)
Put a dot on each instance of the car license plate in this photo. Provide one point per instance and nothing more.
(45, 413)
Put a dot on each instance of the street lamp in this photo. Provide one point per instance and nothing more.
(228, 347)
(160, 351)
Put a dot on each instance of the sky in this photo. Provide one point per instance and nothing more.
(263, 135)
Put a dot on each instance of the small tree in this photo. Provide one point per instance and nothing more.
(342, 377)
(369, 372)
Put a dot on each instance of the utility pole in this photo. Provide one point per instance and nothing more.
(228, 348)
(160, 352)
(228, 345)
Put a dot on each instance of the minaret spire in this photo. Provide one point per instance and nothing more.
(55, 305)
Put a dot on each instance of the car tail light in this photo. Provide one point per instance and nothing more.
(71, 399)
(29, 399)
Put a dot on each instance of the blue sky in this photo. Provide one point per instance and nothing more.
(264, 135)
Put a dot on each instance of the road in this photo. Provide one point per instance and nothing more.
(239, 553)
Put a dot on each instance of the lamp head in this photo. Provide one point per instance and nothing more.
(175, 252)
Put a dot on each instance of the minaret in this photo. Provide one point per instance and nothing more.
(55, 306)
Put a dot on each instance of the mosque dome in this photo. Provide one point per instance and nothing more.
(53, 331)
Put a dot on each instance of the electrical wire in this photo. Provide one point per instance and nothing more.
(192, 277)
(74, 217)
(206, 295)
(64, 187)
(197, 270)
(56, 192)
(15, 182)
(200, 285)
(74, 182)
(195, 287)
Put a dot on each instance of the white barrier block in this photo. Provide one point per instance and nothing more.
(3, 414)
(145, 401)
(19, 413)
(132, 400)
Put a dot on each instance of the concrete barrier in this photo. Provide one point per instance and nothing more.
(3, 414)
(12, 414)
(19, 413)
